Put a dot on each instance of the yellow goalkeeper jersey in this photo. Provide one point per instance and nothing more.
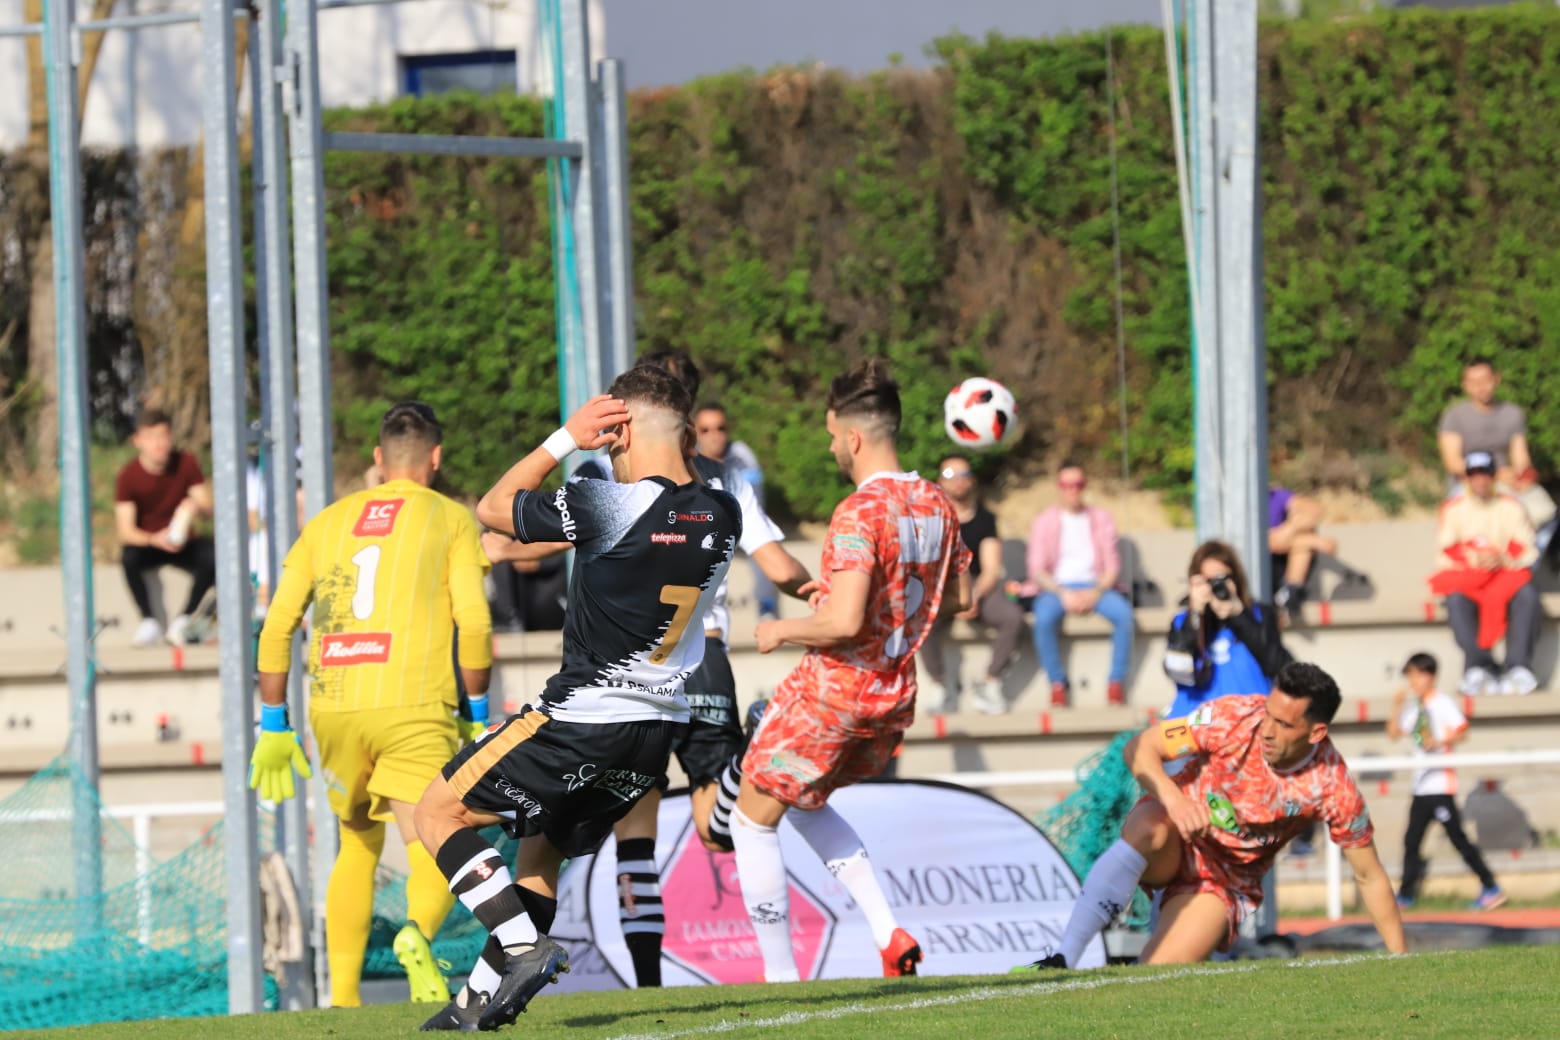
(391, 571)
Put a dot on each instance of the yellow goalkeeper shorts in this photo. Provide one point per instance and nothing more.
(379, 755)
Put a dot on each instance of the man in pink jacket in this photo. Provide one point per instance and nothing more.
(1074, 563)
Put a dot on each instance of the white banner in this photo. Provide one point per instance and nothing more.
(977, 884)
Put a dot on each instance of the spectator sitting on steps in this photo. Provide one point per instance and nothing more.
(1074, 561)
(1487, 554)
(1294, 542)
(157, 497)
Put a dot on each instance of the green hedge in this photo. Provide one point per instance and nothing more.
(959, 222)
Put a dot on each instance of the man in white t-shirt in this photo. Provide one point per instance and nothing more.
(1432, 721)
(1074, 563)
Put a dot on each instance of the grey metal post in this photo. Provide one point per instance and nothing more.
(1242, 349)
(75, 487)
(225, 320)
(1208, 366)
(1243, 397)
(618, 241)
(313, 340)
(581, 125)
(274, 271)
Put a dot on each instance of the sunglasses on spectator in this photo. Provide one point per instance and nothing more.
(1071, 485)
(957, 474)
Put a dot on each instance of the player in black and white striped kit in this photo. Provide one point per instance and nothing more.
(710, 750)
(653, 550)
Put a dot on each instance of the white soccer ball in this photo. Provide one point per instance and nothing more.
(979, 413)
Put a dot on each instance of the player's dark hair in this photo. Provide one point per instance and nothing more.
(867, 391)
(1421, 662)
(679, 364)
(1306, 681)
(709, 406)
(1478, 361)
(409, 425)
(954, 456)
(653, 385)
(146, 418)
(1069, 464)
(1225, 554)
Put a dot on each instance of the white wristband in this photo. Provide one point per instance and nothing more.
(560, 444)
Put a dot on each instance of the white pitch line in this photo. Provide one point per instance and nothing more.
(792, 1018)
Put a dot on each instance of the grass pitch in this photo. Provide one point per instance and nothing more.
(1500, 992)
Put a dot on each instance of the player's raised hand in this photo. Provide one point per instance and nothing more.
(595, 424)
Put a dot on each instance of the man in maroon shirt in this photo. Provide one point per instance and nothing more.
(157, 497)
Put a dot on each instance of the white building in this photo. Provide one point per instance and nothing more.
(146, 89)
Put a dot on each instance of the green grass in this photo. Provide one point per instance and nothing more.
(1501, 992)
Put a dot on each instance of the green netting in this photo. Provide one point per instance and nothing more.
(153, 944)
(148, 945)
(1088, 821)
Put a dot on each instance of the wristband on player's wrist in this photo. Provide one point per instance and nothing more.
(560, 444)
(273, 718)
(479, 708)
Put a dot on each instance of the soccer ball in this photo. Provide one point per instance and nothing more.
(979, 413)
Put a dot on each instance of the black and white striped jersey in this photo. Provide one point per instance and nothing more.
(650, 558)
(757, 529)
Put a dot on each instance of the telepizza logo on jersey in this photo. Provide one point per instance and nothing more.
(668, 538)
(377, 518)
(344, 648)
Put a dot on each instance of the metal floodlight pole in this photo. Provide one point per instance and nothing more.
(618, 240)
(1243, 404)
(280, 358)
(225, 321)
(581, 124)
(1231, 364)
(312, 317)
(75, 486)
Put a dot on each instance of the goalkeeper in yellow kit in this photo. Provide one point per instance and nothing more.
(392, 571)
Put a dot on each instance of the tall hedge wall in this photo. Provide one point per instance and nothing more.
(959, 222)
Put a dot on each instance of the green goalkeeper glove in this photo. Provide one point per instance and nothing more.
(474, 727)
(278, 752)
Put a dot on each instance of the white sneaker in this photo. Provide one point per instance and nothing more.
(988, 697)
(932, 697)
(1518, 682)
(148, 633)
(178, 630)
(1476, 681)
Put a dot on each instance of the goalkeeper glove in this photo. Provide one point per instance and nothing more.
(472, 728)
(278, 752)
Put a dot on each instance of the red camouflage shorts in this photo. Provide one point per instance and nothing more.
(1202, 870)
(804, 750)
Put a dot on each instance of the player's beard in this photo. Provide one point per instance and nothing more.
(842, 457)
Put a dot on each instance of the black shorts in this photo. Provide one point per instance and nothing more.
(713, 735)
(567, 780)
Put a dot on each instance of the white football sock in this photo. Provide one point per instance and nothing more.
(761, 873)
(840, 848)
(1106, 892)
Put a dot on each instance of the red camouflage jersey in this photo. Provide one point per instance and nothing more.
(1269, 807)
(903, 531)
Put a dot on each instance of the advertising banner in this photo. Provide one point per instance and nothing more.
(977, 884)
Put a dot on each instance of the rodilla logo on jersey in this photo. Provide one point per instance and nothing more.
(343, 648)
(377, 518)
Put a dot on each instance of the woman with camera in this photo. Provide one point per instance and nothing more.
(1223, 642)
